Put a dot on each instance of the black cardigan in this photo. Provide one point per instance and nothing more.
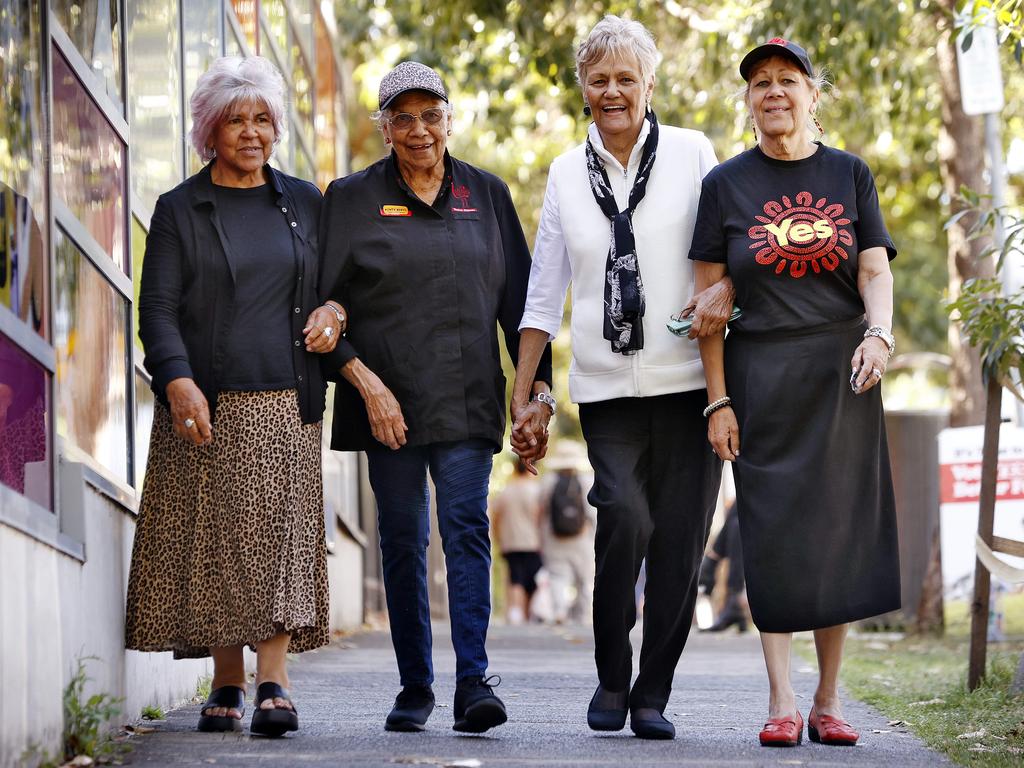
(187, 292)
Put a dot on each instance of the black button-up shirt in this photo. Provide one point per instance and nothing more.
(426, 287)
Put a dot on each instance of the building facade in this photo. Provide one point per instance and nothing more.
(95, 123)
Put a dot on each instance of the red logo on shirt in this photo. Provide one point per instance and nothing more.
(794, 236)
(461, 193)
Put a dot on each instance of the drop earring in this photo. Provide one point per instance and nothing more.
(821, 131)
(586, 109)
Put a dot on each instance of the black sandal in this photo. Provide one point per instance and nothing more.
(230, 697)
(273, 722)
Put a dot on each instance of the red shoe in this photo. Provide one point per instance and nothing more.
(782, 731)
(825, 729)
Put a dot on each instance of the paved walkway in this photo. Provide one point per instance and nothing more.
(344, 692)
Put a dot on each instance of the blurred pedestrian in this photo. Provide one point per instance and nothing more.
(516, 520)
(798, 226)
(429, 255)
(620, 205)
(727, 548)
(568, 535)
(230, 547)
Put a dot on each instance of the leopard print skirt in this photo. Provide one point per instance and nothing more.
(229, 543)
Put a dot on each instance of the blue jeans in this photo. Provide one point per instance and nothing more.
(460, 471)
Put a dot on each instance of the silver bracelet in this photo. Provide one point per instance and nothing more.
(882, 333)
(717, 405)
(337, 314)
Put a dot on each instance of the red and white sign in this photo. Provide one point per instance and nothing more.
(960, 466)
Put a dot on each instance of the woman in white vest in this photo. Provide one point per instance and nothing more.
(617, 223)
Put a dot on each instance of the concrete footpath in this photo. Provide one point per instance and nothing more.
(344, 692)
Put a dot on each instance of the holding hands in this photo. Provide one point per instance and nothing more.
(530, 431)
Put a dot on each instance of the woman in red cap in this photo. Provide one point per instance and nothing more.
(797, 226)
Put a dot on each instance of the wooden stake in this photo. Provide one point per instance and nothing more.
(986, 517)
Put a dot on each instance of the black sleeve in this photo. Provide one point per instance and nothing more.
(335, 264)
(709, 242)
(517, 280)
(166, 357)
(870, 226)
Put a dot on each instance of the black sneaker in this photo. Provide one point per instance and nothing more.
(476, 707)
(412, 708)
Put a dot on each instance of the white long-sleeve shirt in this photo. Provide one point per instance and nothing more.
(572, 243)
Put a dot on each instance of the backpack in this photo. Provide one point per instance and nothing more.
(565, 507)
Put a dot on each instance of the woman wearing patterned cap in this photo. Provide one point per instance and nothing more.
(428, 255)
(797, 225)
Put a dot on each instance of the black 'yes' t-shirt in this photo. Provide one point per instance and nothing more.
(790, 232)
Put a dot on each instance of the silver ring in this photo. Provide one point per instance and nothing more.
(189, 423)
(328, 331)
(877, 373)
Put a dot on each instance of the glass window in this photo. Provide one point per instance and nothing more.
(23, 227)
(201, 21)
(138, 251)
(89, 333)
(327, 108)
(95, 28)
(143, 426)
(246, 11)
(88, 162)
(25, 456)
(154, 102)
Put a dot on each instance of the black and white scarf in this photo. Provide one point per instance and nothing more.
(623, 289)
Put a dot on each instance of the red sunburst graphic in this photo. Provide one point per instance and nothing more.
(794, 236)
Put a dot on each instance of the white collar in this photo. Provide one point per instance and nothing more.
(608, 157)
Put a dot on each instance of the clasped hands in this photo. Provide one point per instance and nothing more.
(530, 431)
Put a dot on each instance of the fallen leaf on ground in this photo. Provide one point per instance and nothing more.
(79, 761)
(972, 734)
(470, 762)
(880, 730)
(980, 748)
(894, 723)
(927, 703)
(139, 729)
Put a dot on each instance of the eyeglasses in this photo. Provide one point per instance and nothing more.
(404, 120)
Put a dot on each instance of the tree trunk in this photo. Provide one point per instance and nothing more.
(962, 163)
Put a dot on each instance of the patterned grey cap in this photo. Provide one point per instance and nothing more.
(409, 76)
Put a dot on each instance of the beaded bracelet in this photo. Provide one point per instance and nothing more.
(717, 405)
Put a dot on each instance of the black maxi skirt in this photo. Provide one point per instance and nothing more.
(813, 483)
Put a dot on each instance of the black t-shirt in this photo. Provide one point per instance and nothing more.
(790, 232)
(258, 355)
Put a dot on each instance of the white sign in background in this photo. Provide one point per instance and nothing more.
(961, 447)
(981, 79)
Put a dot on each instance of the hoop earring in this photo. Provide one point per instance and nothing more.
(821, 131)
(586, 109)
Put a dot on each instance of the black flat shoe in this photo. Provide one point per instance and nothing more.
(272, 722)
(413, 706)
(229, 697)
(477, 709)
(649, 723)
(608, 710)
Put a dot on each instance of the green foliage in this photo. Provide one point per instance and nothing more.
(152, 713)
(919, 683)
(85, 717)
(992, 320)
(1006, 15)
(204, 687)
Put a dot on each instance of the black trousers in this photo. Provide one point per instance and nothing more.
(656, 483)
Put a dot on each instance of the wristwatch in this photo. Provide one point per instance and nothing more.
(547, 399)
(883, 334)
(337, 313)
